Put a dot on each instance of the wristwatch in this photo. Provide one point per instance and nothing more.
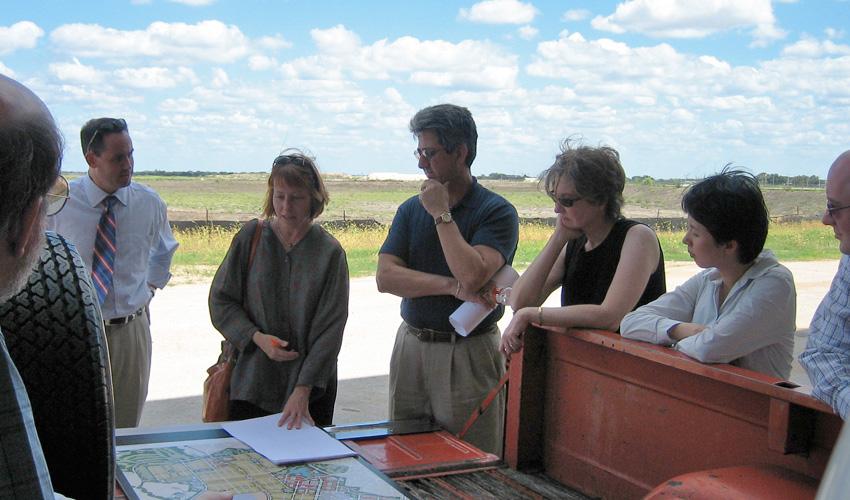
(444, 218)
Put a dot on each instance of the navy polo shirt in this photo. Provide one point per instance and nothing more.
(483, 218)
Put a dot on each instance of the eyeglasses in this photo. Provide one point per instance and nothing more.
(107, 125)
(57, 196)
(427, 153)
(564, 201)
(832, 209)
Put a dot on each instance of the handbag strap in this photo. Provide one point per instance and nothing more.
(228, 350)
(258, 231)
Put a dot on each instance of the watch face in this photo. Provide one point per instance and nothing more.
(444, 217)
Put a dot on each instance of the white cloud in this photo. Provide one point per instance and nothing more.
(76, 72)
(194, 3)
(181, 105)
(260, 63)
(336, 40)
(691, 18)
(499, 12)
(104, 97)
(764, 34)
(21, 35)
(657, 94)
(811, 48)
(834, 33)
(438, 63)
(276, 42)
(322, 116)
(576, 15)
(528, 32)
(5, 70)
(154, 77)
(220, 78)
(205, 41)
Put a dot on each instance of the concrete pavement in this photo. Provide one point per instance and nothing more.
(185, 344)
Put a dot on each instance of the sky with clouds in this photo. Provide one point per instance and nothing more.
(679, 87)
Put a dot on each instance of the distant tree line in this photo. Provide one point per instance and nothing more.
(501, 177)
(765, 179)
(183, 173)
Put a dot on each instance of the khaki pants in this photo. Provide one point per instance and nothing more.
(130, 361)
(446, 381)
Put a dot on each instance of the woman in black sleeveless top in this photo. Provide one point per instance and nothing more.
(606, 265)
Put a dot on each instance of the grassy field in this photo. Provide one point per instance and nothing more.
(201, 250)
(240, 197)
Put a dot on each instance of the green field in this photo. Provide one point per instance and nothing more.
(201, 250)
(240, 197)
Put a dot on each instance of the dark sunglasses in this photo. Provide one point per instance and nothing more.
(564, 201)
(289, 159)
(108, 125)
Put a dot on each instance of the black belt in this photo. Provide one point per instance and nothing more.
(124, 319)
(429, 335)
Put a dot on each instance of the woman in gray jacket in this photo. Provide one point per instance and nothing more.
(286, 313)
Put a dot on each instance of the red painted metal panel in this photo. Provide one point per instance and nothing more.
(620, 417)
(524, 419)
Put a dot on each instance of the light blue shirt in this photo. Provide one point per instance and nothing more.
(827, 355)
(753, 328)
(143, 238)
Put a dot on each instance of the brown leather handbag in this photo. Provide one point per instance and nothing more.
(216, 402)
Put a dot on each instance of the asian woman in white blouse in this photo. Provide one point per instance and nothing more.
(741, 308)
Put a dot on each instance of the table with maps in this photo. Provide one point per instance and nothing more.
(158, 466)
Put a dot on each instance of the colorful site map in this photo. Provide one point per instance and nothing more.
(190, 469)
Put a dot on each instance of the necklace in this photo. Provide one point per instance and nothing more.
(292, 240)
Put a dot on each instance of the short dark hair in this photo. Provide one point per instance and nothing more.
(453, 126)
(596, 172)
(30, 159)
(731, 206)
(93, 132)
(297, 169)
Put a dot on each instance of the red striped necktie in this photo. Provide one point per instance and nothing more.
(104, 250)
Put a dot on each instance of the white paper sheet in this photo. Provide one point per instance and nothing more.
(281, 445)
(470, 314)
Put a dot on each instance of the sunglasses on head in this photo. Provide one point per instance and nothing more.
(289, 159)
(108, 125)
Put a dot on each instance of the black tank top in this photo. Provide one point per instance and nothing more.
(589, 274)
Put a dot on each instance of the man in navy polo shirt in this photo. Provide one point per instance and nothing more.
(443, 248)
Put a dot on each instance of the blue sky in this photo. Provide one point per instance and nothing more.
(680, 88)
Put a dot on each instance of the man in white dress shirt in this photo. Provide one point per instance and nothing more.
(129, 264)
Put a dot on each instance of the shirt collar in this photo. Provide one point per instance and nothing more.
(95, 195)
(763, 263)
(470, 199)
